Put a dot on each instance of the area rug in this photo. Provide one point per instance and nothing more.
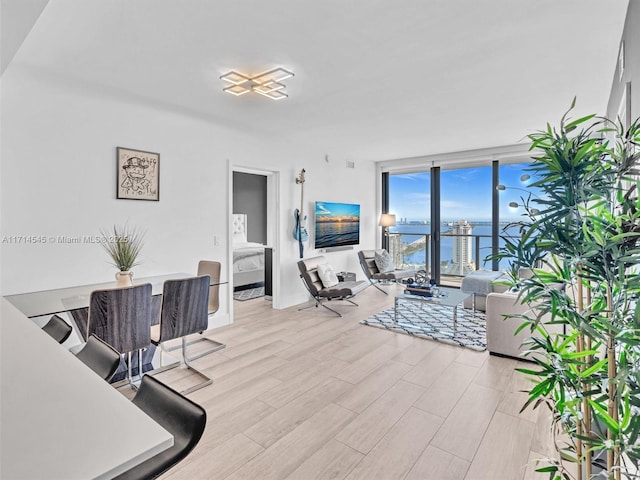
(248, 294)
(436, 323)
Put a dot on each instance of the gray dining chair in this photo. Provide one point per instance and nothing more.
(211, 268)
(184, 312)
(122, 318)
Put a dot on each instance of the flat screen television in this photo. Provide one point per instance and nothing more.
(337, 224)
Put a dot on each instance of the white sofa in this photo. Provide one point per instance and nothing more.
(500, 330)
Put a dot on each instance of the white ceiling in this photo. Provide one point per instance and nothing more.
(374, 79)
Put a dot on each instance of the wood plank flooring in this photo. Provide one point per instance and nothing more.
(307, 395)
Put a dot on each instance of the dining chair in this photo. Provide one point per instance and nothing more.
(181, 417)
(184, 312)
(122, 318)
(100, 357)
(58, 329)
(211, 268)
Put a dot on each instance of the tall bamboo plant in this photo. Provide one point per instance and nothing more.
(583, 232)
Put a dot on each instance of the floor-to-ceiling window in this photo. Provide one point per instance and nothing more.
(474, 214)
(466, 219)
(514, 193)
(410, 201)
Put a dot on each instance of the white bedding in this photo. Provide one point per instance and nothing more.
(248, 256)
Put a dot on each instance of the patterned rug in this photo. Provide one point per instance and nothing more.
(248, 294)
(434, 322)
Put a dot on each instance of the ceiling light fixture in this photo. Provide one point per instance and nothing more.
(267, 84)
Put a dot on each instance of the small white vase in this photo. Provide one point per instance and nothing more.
(124, 279)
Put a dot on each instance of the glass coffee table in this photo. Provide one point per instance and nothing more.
(449, 297)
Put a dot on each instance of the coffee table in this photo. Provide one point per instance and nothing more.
(449, 297)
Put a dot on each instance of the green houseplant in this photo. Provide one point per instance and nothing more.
(583, 231)
(123, 244)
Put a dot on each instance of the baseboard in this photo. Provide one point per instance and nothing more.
(219, 320)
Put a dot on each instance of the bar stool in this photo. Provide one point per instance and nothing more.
(58, 329)
(184, 419)
(100, 357)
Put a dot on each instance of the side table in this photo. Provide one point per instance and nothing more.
(346, 276)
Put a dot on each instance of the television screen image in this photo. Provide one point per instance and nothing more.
(337, 224)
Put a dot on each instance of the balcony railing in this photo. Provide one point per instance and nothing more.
(406, 247)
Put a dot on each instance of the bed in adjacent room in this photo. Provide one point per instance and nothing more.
(248, 257)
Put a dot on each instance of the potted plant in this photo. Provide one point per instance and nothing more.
(583, 231)
(123, 245)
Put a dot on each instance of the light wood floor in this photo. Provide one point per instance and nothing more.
(308, 395)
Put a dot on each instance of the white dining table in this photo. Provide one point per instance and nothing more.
(58, 419)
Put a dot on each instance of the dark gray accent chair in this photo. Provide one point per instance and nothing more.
(184, 312)
(342, 291)
(181, 417)
(58, 329)
(100, 357)
(122, 318)
(373, 274)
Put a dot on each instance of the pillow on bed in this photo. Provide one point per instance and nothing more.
(327, 275)
(384, 262)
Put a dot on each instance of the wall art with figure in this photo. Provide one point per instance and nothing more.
(138, 174)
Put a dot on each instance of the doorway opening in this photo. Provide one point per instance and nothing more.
(253, 234)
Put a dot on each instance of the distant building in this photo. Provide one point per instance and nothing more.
(462, 260)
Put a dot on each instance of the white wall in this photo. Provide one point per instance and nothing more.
(58, 179)
(631, 70)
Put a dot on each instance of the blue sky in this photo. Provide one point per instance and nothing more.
(324, 209)
(466, 194)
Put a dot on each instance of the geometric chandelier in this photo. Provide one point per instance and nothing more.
(267, 83)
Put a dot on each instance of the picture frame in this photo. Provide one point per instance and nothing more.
(137, 175)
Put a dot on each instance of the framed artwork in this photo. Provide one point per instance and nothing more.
(138, 175)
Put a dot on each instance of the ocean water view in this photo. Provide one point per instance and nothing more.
(335, 234)
(411, 233)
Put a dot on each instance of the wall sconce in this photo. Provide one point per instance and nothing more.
(387, 220)
(267, 83)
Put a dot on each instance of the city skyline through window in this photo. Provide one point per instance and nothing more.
(465, 208)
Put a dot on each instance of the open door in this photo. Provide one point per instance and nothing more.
(253, 232)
